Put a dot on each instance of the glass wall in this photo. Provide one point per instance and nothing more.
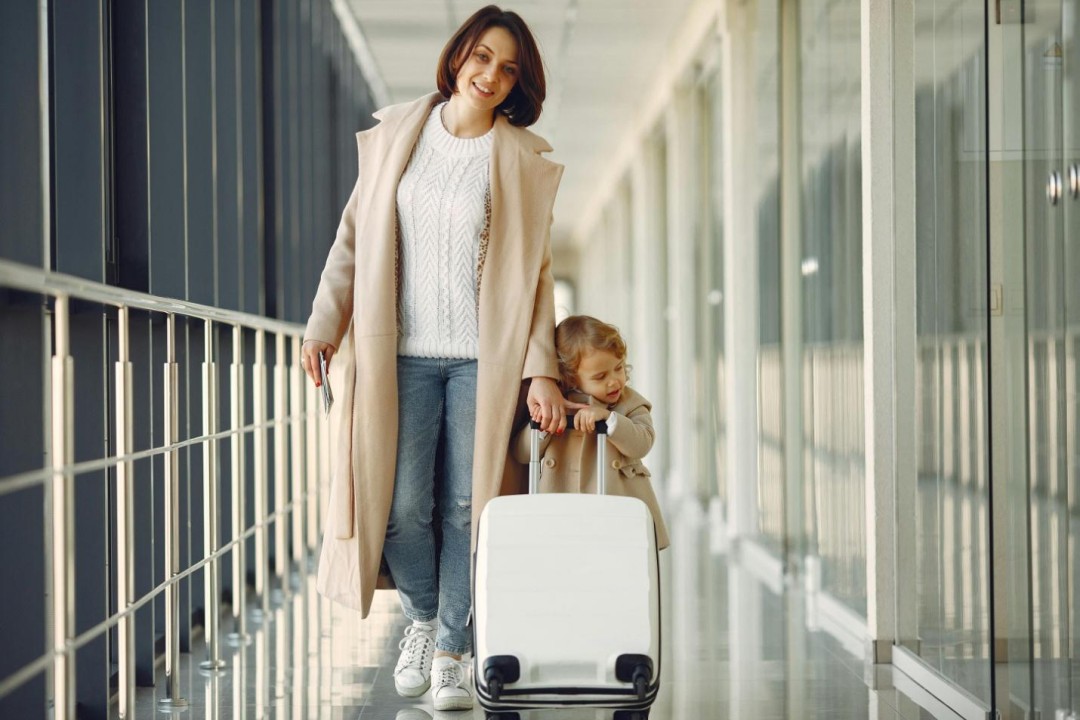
(950, 238)
(1050, 237)
(834, 459)
(766, 198)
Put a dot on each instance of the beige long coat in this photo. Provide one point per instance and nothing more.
(568, 462)
(357, 302)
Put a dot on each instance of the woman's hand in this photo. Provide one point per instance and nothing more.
(547, 405)
(309, 358)
(586, 419)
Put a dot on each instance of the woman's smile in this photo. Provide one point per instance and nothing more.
(482, 90)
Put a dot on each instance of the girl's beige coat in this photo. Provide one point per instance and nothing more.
(355, 309)
(568, 462)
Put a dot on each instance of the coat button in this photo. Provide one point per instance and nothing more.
(616, 464)
(549, 462)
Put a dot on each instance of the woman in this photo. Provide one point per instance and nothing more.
(439, 282)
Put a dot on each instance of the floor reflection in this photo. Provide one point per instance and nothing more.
(736, 645)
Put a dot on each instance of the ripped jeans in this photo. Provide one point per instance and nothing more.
(436, 397)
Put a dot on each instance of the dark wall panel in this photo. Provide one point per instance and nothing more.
(226, 131)
(92, 508)
(78, 155)
(251, 254)
(130, 199)
(22, 514)
(168, 264)
(199, 128)
(20, 126)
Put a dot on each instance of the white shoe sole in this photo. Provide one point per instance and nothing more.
(454, 702)
(411, 692)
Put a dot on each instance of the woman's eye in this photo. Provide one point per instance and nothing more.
(510, 71)
(482, 57)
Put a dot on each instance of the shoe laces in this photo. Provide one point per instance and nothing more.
(418, 647)
(450, 674)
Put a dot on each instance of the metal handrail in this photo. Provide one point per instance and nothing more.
(298, 427)
(35, 280)
(33, 478)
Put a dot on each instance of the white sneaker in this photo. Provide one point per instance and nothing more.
(450, 685)
(412, 676)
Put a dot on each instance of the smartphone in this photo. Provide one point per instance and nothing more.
(327, 393)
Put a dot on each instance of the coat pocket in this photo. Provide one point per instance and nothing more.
(342, 515)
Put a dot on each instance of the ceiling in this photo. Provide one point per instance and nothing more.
(601, 56)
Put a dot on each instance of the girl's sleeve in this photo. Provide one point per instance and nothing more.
(540, 353)
(332, 308)
(634, 435)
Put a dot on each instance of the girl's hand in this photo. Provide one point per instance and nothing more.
(547, 405)
(586, 419)
(309, 359)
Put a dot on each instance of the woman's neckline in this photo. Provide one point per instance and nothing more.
(441, 108)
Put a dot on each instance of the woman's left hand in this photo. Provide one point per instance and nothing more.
(547, 405)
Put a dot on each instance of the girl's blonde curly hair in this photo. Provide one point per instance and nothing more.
(577, 334)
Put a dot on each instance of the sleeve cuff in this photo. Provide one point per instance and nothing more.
(612, 421)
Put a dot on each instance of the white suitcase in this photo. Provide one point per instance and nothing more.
(566, 600)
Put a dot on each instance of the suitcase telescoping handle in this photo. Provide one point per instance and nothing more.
(601, 455)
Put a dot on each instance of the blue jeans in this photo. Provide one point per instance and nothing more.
(436, 396)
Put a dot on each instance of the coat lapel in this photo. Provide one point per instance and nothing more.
(519, 240)
(520, 223)
(384, 152)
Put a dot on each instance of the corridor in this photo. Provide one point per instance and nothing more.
(834, 245)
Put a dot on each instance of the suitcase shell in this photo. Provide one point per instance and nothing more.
(567, 591)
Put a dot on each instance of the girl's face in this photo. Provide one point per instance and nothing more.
(489, 73)
(602, 375)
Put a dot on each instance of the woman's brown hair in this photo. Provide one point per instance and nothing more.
(577, 334)
(522, 106)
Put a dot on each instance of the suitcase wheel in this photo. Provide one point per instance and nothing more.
(631, 715)
(503, 716)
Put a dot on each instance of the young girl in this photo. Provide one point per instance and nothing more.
(592, 362)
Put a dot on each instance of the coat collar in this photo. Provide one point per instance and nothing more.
(413, 115)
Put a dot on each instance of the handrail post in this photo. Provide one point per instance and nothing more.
(262, 561)
(212, 597)
(296, 434)
(237, 396)
(125, 557)
(62, 519)
(172, 699)
(281, 492)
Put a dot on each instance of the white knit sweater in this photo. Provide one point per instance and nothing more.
(442, 214)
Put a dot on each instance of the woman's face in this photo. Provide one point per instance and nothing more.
(488, 74)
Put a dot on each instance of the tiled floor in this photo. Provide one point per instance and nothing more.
(733, 649)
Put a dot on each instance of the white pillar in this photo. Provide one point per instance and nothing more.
(791, 273)
(617, 292)
(740, 266)
(682, 212)
(879, 275)
(648, 326)
(905, 350)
